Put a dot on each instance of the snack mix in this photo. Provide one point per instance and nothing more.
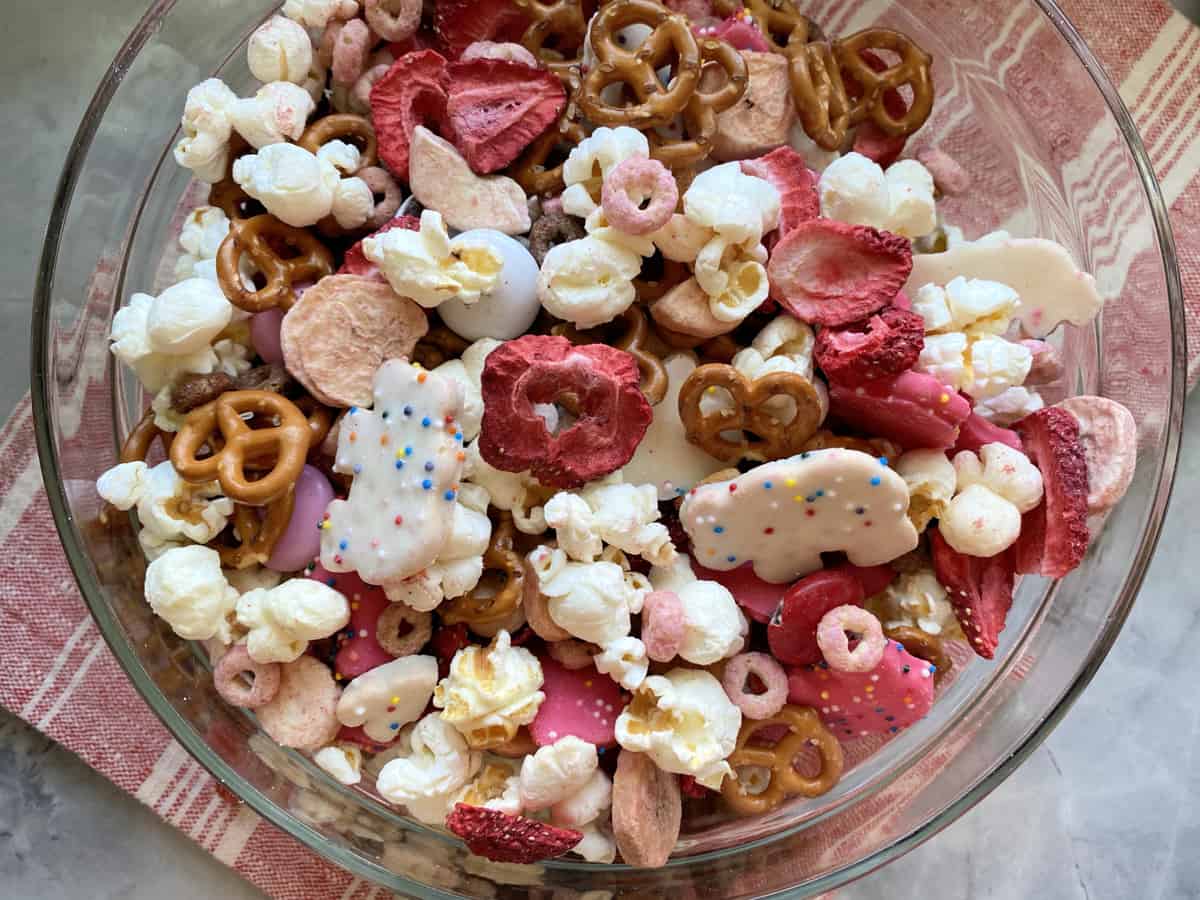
(570, 414)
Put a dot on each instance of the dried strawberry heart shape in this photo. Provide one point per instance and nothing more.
(601, 387)
(913, 409)
(797, 185)
(500, 837)
(792, 632)
(887, 343)
(979, 589)
(411, 93)
(355, 261)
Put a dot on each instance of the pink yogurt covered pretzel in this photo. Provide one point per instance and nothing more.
(663, 623)
(835, 646)
(762, 705)
(233, 688)
(631, 184)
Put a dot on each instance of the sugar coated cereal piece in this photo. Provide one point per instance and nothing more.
(754, 703)
(835, 646)
(302, 714)
(388, 697)
(604, 149)
(579, 702)
(257, 690)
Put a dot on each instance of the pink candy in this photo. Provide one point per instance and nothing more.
(581, 702)
(765, 669)
(300, 542)
(632, 183)
(264, 334)
(233, 688)
(359, 649)
(758, 599)
(662, 625)
(835, 646)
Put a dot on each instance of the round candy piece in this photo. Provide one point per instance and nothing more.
(507, 311)
(264, 334)
(301, 540)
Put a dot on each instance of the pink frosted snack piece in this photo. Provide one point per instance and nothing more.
(394, 20)
(1108, 433)
(948, 176)
(581, 702)
(893, 695)
(913, 409)
(300, 542)
(741, 33)
(835, 646)
(572, 653)
(264, 334)
(233, 688)
(772, 675)
(303, 714)
(977, 431)
(632, 183)
(663, 623)
(351, 46)
(873, 578)
(359, 650)
(758, 599)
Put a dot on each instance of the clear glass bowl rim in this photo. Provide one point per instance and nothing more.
(195, 745)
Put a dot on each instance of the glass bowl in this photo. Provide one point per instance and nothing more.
(1054, 154)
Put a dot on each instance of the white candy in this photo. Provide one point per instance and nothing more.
(592, 601)
(293, 184)
(683, 721)
(508, 309)
(353, 203)
(996, 366)
(585, 805)
(621, 515)
(186, 588)
(1003, 470)
(592, 160)
(556, 772)
(388, 697)
(491, 691)
(342, 761)
(1009, 406)
(277, 113)
(979, 522)
(206, 127)
(854, 189)
(280, 50)
(624, 661)
(912, 210)
(424, 781)
(734, 278)
(281, 621)
(739, 207)
(589, 281)
(714, 627)
(317, 13)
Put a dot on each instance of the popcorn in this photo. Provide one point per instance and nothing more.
(431, 268)
(206, 128)
(490, 691)
(681, 239)
(917, 600)
(912, 210)
(353, 203)
(685, 723)
(425, 781)
(856, 190)
(589, 281)
(318, 13)
(994, 489)
(931, 481)
(944, 357)
(592, 601)
(468, 371)
(737, 206)
(170, 510)
(282, 620)
(585, 805)
(1009, 406)
(784, 345)
(516, 492)
(1002, 470)
(186, 588)
(203, 231)
(277, 113)
(598, 226)
(498, 787)
(556, 772)
(624, 661)
(621, 515)
(592, 160)
(996, 366)
(280, 50)
(342, 761)
(596, 846)
(294, 185)
(459, 564)
(714, 627)
(981, 307)
(344, 157)
(734, 277)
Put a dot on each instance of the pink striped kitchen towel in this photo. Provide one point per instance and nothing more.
(59, 676)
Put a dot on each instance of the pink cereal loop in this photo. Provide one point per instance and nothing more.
(394, 20)
(382, 184)
(572, 654)
(632, 183)
(769, 672)
(360, 97)
(227, 678)
(835, 646)
(351, 48)
(387, 630)
(662, 625)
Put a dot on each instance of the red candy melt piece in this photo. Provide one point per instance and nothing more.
(1052, 442)
(356, 263)
(612, 412)
(792, 634)
(497, 108)
(913, 409)
(501, 837)
(358, 649)
(979, 589)
(758, 599)
(411, 93)
(977, 431)
(831, 273)
(887, 343)
(447, 641)
(460, 23)
(582, 702)
(893, 695)
(797, 185)
(874, 579)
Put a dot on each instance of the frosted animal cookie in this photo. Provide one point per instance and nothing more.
(506, 310)
(441, 179)
(282, 620)
(994, 490)
(620, 515)
(425, 780)
(388, 697)
(406, 457)
(782, 515)
(592, 160)
(591, 601)
(206, 130)
(556, 771)
(1052, 288)
(186, 588)
(278, 112)
(713, 625)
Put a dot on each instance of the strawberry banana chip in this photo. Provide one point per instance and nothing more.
(412, 93)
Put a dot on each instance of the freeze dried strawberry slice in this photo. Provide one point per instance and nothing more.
(887, 343)
(797, 185)
(977, 431)
(421, 40)
(979, 589)
(497, 108)
(874, 579)
(355, 261)
(832, 273)
(690, 787)
(792, 633)
(500, 837)
(411, 93)
(913, 409)
(460, 23)
(1051, 437)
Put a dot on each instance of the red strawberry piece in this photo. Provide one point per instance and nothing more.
(581, 702)
(874, 579)
(690, 787)
(1030, 547)
(887, 343)
(357, 736)
(913, 409)
(1051, 437)
(870, 140)
(501, 837)
(977, 431)
(901, 301)
(797, 185)
(980, 590)
(460, 23)
(358, 649)
(447, 641)
(411, 93)
(893, 695)
(497, 108)
(792, 633)
(736, 31)
(831, 273)
(356, 263)
(421, 40)
(758, 599)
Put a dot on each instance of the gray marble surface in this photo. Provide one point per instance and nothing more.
(1107, 809)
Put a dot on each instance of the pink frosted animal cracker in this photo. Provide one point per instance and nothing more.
(406, 457)
(783, 515)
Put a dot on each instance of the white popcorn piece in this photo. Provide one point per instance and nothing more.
(468, 371)
(739, 207)
(1009, 406)
(1003, 470)
(253, 578)
(203, 232)
(681, 239)
(592, 601)
(459, 564)
(280, 50)
(624, 661)
(815, 156)
(353, 203)
(591, 162)
(620, 515)
(204, 147)
(916, 600)
(854, 189)
(186, 317)
(498, 787)
(981, 306)
(979, 522)
(186, 588)
(589, 281)
(912, 210)
(932, 304)
(714, 627)
(424, 781)
(170, 510)
(490, 691)
(278, 112)
(294, 185)
(318, 13)
(734, 277)
(585, 805)
(556, 772)
(683, 721)
(281, 621)
(943, 357)
(997, 365)
(784, 345)
(344, 157)
(598, 226)
(597, 845)
(342, 761)
(931, 481)
(431, 268)
(515, 492)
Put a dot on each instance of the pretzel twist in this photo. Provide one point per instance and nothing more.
(700, 112)
(345, 127)
(256, 537)
(478, 610)
(137, 445)
(775, 19)
(259, 239)
(633, 340)
(560, 23)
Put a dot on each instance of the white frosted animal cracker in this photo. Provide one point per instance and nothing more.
(781, 516)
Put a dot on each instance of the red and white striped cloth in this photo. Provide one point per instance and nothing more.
(59, 676)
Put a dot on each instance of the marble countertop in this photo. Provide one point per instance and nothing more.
(1107, 809)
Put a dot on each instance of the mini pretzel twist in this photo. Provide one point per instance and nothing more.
(256, 537)
(633, 341)
(775, 19)
(804, 728)
(439, 345)
(911, 70)
(769, 438)
(345, 127)
(561, 23)
(820, 94)
(473, 607)
(137, 446)
(260, 239)
(922, 645)
(286, 442)
(531, 171)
